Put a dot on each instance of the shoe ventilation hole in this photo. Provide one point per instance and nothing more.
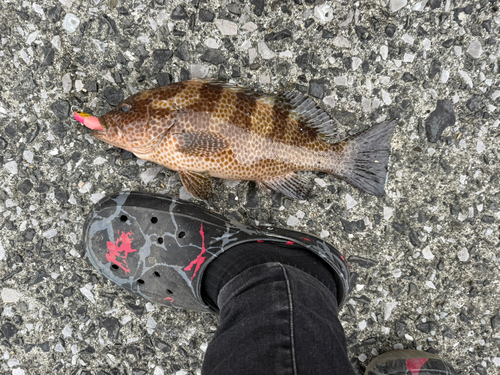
(154, 220)
(182, 234)
(160, 240)
(123, 218)
(156, 273)
(114, 266)
(169, 291)
(140, 281)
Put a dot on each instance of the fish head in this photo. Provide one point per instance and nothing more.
(126, 126)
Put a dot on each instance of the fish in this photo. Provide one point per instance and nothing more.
(206, 128)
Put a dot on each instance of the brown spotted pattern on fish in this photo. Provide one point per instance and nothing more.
(205, 129)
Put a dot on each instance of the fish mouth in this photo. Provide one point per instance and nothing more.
(89, 121)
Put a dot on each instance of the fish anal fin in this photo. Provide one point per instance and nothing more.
(308, 111)
(292, 185)
(200, 142)
(198, 184)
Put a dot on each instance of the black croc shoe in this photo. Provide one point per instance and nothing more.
(406, 362)
(158, 247)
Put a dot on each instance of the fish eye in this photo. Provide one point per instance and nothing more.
(126, 107)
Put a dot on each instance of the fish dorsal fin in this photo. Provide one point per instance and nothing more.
(308, 111)
(292, 185)
(200, 142)
(198, 184)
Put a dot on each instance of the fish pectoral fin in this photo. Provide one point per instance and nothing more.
(200, 142)
(198, 184)
(292, 185)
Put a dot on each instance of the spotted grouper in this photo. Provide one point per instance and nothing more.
(205, 129)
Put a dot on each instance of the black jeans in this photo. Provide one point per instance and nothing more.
(277, 319)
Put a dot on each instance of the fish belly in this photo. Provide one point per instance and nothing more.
(224, 165)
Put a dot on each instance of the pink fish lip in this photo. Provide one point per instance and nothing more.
(89, 121)
(79, 117)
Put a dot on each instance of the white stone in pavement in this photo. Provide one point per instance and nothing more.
(420, 6)
(341, 81)
(70, 23)
(199, 71)
(87, 293)
(466, 77)
(388, 211)
(265, 78)
(329, 101)
(265, 52)
(250, 26)
(292, 221)
(350, 201)
(10, 295)
(184, 194)
(480, 146)
(50, 233)
(99, 160)
(475, 49)
(96, 197)
(226, 27)
(67, 84)
(341, 42)
(67, 331)
(386, 97)
(323, 13)
(463, 255)
(252, 55)
(66, 3)
(396, 5)
(384, 52)
(389, 306)
(151, 322)
(426, 252)
(56, 42)
(150, 173)
(212, 43)
(2, 252)
(11, 166)
(356, 62)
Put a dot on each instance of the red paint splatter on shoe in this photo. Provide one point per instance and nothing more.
(415, 364)
(289, 243)
(200, 258)
(166, 299)
(260, 241)
(118, 251)
(303, 238)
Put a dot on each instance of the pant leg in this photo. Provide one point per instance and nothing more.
(277, 319)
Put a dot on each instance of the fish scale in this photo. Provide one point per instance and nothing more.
(206, 128)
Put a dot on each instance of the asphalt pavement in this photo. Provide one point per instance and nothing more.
(425, 259)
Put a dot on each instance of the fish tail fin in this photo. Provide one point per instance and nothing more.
(365, 158)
